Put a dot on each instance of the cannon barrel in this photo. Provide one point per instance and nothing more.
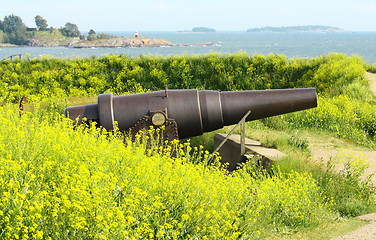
(194, 111)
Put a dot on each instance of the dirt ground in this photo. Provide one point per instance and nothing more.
(323, 151)
(372, 81)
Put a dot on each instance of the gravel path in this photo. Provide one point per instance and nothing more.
(372, 81)
(367, 232)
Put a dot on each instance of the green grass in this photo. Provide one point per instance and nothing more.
(47, 35)
(327, 230)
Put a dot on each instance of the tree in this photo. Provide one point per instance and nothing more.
(70, 30)
(15, 30)
(91, 35)
(41, 23)
(1, 36)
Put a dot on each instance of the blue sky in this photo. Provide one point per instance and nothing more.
(223, 15)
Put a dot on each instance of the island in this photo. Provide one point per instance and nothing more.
(203, 30)
(199, 30)
(298, 29)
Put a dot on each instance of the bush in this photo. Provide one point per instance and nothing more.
(370, 67)
(48, 77)
(1, 36)
(352, 190)
(349, 191)
(345, 101)
(347, 118)
(337, 71)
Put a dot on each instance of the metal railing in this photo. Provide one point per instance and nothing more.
(13, 56)
(242, 135)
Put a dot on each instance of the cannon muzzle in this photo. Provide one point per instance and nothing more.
(194, 111)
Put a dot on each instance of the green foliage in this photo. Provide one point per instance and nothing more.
(15, 30)
(348, 118)
(298, 141)
(91, 36)
(48, 35)
(350, 191)
(212, 71)
(345, 102)
(370, 67)
(41, 23)
(105, 36)
(358, 90)
(1, 36)
(337, 72)
(70, 30)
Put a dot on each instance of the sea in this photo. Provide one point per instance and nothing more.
(291, 45)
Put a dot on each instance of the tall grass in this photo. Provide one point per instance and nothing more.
(351, 191)
(346, 117)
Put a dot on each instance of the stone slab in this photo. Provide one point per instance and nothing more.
(230, 151)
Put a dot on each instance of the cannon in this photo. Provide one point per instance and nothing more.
(189, 113)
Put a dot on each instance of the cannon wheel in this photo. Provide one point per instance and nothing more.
(169, 133)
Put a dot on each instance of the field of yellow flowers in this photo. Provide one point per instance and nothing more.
(57, 182)
(60, 183)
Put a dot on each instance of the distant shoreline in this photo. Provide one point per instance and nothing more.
(299, 29)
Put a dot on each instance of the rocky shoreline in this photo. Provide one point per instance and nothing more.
(7, 45)
(121, 42)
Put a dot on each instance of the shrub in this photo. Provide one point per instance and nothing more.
(46, 77)
(352, 190)
(347, 118)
